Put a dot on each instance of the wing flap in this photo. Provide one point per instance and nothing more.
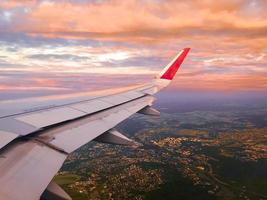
(133, 94)
(6, 137)
(26, 168)
(50, 117)
(91, 106)
(72, 135)
(30, 122)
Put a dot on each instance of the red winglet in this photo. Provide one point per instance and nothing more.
(172, 68)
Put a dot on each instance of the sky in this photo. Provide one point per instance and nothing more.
(62, 46)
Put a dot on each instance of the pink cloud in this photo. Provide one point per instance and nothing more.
(228, 37)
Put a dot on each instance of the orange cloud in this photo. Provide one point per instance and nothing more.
(146, 19)
(228, 37)
(226, 83)
(132, 15)
(16, 3)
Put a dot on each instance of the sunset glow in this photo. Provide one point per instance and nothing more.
(45, 42)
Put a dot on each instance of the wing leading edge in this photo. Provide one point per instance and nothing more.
(29, 159)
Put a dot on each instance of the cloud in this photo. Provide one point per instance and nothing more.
(58, 57)
(228, 39)
(145, 19)
(17, 84)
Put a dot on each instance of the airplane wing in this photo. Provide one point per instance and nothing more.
(37, 134)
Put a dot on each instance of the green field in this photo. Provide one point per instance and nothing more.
(64, 180)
